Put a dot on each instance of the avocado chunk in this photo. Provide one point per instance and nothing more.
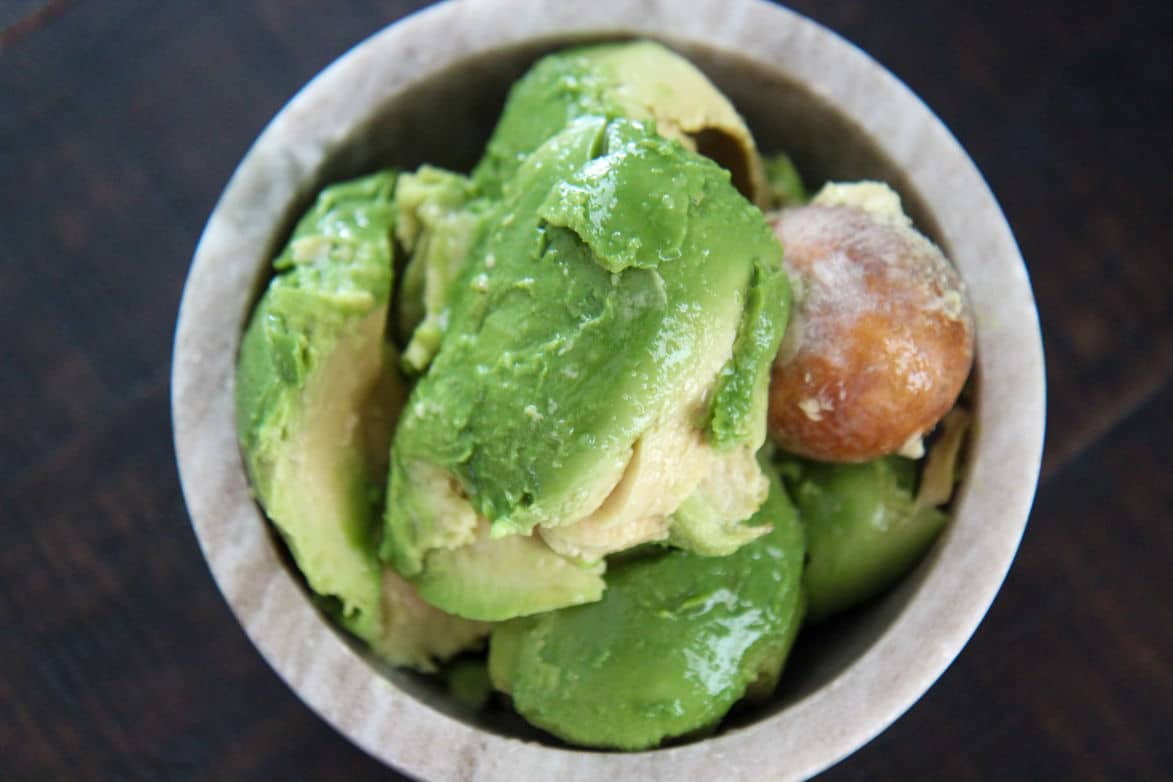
(416, 634)
(495, 579)
(505, 651)
(677, 639)
(590, 336)
(639, 80)
(783, 182)
(864, 530)
(468, 683)
(309, 362)
(437, 218)
(317, 395)
(712, 520)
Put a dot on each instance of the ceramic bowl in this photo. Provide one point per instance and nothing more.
(429, 88)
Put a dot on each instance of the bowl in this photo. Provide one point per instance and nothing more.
(429, 88)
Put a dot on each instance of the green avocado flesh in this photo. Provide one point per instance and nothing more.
(677, 639)
(784, 182)
(622, 296)
(316, 398)
(864, 530)
(499, 579)
(437, 217)
(640, 80)
(312, 356)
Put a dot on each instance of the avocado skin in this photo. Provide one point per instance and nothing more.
(864, 529)
(676, 640)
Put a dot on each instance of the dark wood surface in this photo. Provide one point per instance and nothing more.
(120, 121)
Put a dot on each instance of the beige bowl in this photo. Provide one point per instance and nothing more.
(428, 88)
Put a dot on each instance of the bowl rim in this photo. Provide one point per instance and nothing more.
(390, 724)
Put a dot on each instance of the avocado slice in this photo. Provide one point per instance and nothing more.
(438, 215)
(677, 639)
(590, 332)
(712, 521)
(864, 529)
(317, 395)
(496, 579)
(311, 357)
(416, 634)
(640, 80)
(505, 651)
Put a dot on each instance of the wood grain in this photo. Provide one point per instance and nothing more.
(18, 18)
(121, 120)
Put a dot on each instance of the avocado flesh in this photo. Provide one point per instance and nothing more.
(712, 520)
(676, 640)
(496, 579)
(783, 182)
(505, 651)
(864, 529)
(638, 80)
(603, 302)
(416, 634)
(310, 358)
(437, 217)
(316, 400)
(691, 485)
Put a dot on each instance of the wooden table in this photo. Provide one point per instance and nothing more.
(120, 120)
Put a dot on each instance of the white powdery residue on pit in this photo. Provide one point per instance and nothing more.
(910, 364)
(835, 296)
(908, 251)
(813, 407)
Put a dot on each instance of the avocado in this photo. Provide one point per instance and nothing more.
(496, 579)
(783, 182)
(437, 217)
(677, 639)
(711, 521)
(416, 634)
(609, 342)
(505, 651)
(317, 396)
(639, 80)
(309, 363)
(468, 683)
(864, 529)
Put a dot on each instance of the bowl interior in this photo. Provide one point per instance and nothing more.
(445, 120)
